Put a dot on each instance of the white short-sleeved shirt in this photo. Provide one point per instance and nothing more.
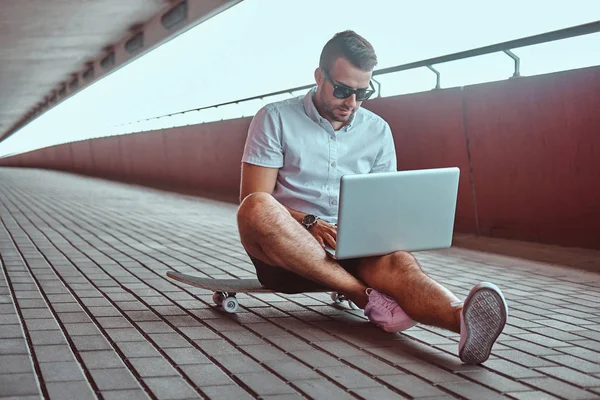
(312, 156)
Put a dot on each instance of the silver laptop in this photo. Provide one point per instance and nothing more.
(381, 213)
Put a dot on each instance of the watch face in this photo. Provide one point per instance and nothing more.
(309, 219)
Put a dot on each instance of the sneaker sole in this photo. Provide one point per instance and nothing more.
(485, 317)
(398, 328)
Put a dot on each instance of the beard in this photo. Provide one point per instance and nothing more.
(333, 112)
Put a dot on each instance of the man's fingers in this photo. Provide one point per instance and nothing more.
(330, 240)
(320, 240)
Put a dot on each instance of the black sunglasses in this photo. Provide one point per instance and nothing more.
(343, 92)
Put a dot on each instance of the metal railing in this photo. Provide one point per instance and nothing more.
(506, 47)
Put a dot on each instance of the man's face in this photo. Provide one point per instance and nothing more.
(338, 111)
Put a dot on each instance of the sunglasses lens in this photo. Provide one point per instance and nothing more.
(363, 94)
(342, 92)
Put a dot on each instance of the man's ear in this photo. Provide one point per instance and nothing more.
(318, 75)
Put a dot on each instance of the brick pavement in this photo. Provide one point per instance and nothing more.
(87, 312)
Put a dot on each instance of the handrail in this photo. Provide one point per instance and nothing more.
(552, 36)
(506, 47)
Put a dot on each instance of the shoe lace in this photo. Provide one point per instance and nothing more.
(380, 301)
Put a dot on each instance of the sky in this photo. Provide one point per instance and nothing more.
(262, 46)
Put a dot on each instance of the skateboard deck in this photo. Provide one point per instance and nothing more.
(221, 285)
(225, 290)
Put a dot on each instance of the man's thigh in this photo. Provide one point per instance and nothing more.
(281, 280)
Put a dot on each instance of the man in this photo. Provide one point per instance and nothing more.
(295, 154)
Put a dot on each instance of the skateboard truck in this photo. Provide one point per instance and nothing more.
(226, 300)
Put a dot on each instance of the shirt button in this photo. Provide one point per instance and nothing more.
(334, 202)
(333, 164)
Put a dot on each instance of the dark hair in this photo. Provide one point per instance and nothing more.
(351, 46)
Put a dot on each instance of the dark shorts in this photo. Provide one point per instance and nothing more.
(281, 280)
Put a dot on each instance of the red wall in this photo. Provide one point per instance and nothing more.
(527, 149)
(535, 151)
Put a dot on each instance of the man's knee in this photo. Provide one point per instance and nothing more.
(403, 261)
(253, 205)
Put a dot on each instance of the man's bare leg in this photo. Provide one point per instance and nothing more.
(269, 233)
(400, 276)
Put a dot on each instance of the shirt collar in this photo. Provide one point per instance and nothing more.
(312, 113)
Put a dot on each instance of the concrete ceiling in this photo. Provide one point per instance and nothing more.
(44, 43)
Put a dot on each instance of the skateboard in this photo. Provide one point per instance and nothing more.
(225, 290)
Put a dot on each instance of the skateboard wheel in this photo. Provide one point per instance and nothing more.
(218, 298)
(335, 297)
(230, 304)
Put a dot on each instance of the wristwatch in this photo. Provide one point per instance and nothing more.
(309, 220)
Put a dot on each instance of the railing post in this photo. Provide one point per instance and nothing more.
(437, 76)
(517, 63)
(378, 86)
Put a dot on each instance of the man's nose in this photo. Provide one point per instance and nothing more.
(350, 102)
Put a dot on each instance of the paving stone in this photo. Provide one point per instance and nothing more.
(238, 363)
(138, 349)
(575, 363)
(101, 359)
(226, 392)
(32, 313)
(47, 337)
(348, 377)
(559, 388)
(199, 333)
(128, 394)
(322, 389)
(264, 383)
(66, 371)
(379, 393)
(14, 364)
(265, 353)
(532, 395)
(121, 335)
(525, 359)
(187, 355)
(471, 390)
(42, 324)
(70, 390)
(412, 386)
(9, 319)
(18, 385)
(74, 317)
(171, 388)
(116, 378)
(13, 346)
(83, 343)
(292, 370)
(10, 331)
(571, 376)
(206, 375)
(169, 340)
(495, 381)
(54, 353)
(153, 366)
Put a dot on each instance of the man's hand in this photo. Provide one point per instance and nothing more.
(325, 233)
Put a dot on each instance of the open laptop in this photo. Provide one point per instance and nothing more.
(384, 212)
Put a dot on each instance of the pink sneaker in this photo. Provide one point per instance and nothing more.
(385, 312)
(482, 319)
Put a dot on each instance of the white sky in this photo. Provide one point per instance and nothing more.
(262, 46)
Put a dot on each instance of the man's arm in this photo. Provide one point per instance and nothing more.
(261, 179)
